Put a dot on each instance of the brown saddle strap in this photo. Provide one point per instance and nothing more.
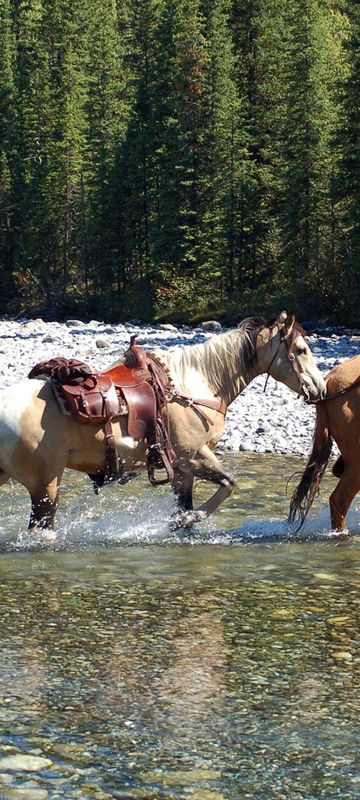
(216, 405)
(161, 455)
(114, 466)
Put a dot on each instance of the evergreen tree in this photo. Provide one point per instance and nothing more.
(179, 120)
(310, 159)
(349, 176)
(107, 108)
(134, 173)
(8, 141)
(258, 35)
(180, 151)
(222, 152)
(49, 86)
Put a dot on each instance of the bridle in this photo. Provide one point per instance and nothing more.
(288, 339)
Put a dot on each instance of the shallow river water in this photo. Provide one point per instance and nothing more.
(221, 664)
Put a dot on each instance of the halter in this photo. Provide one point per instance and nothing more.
(284, 339)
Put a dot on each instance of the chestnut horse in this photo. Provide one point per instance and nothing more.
(338, 417)
(37, 441)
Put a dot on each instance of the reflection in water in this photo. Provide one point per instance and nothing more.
(174, 671)
(171, 688)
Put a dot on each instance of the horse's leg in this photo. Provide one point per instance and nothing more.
(44, 504)
(343, 495)
(183, 488)
(207, 467)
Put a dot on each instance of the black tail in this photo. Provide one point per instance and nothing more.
(308, 487)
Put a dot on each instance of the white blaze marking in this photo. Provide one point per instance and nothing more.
(13, 404)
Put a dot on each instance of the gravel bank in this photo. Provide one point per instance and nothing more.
(275, 422)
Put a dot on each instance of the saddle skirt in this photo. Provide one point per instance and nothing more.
(138, 387)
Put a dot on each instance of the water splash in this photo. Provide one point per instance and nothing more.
(136, 514)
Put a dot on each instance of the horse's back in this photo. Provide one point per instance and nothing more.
(343, 375)
(344, 412)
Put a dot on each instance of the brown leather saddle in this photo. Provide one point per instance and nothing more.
(138, 387)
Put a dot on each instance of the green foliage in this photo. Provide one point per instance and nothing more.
(163, 157)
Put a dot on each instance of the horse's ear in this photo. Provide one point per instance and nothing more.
(289, 324)
(281, 319)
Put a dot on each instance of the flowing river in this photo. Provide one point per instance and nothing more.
(221, 664)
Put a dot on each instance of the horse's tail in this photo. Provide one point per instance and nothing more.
(308, 487)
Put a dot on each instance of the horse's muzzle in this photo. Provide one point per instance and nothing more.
(313, 390)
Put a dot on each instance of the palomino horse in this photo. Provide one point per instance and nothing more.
(37, 441)
(338, 417)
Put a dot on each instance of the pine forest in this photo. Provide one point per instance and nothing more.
(167, 159)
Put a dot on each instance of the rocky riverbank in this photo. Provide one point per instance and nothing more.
(274, 422)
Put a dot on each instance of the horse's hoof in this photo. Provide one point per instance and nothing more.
(186, 519)
(42, 533)
(48, 535)
(340, 534)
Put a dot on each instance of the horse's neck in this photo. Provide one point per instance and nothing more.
(218, 367)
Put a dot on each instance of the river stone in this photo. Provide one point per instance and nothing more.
(210, 325)
(102, 344)
(74, 323)
(246, 447)
(5, 779)
(24, 763)
(234, 441)
(206, 794)
(49, 338)
(339, 621)
(282, 613)
(341, 655)
(180, 777)
(25, 793)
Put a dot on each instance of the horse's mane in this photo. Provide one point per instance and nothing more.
(230, 356)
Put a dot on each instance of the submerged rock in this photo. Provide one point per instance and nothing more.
(25, 763)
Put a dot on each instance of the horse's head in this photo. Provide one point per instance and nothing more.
(284, 354)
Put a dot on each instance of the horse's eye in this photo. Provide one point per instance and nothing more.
(300, 351)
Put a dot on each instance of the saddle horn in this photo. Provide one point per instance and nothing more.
(135, 356)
